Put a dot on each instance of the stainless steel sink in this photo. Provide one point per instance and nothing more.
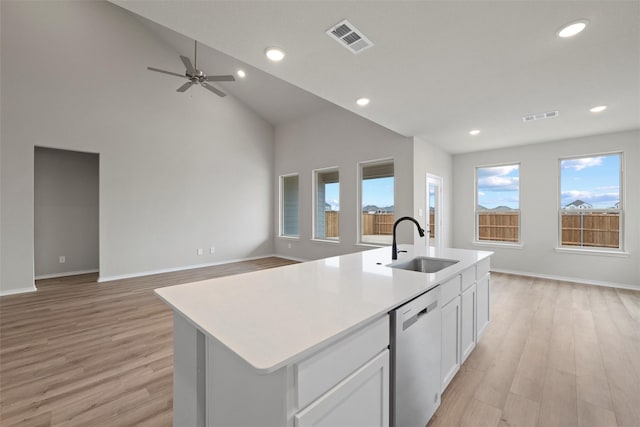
(424, 264)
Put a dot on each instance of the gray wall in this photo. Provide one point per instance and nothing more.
(429, 158)
(178, 171)
(65, 211)
(539, 209)
(338, 138)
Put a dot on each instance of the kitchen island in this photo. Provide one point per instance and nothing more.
(303, 343)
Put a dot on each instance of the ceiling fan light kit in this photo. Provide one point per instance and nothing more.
(195, 76)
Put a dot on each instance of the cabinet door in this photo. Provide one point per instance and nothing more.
(484, 300)
(468, 322)
(450, 361)
(360, 400)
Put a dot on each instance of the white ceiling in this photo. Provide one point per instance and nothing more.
(438, 68)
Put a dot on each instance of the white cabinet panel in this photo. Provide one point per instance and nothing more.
(468, 277)
(450, 289)
(484, 304)
(361, 400)
(468, 322)
(327, 368)
(450, 361)
(482, 268)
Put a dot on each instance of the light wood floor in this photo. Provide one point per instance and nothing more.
(555, 354)
(77, 353)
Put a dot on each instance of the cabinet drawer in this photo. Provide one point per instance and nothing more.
(483, 268)
(361, 400)
(450, 289)
(322, 371)
(468, 277)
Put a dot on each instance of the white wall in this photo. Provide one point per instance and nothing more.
(66, 211)
(177, 171)
(336, 137)
(539, 184)
(429, 158)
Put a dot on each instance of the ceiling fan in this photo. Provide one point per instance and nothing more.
(196, 76)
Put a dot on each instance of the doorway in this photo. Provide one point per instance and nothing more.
(434, 210)
(66, 213)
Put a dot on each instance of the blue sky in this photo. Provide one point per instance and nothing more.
(376, 191)
(499, 186)
(332, 195)
(595, 180)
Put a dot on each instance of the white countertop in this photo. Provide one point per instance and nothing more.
(271, 318)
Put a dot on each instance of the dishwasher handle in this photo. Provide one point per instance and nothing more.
(406, 324)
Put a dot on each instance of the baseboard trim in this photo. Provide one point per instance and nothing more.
(291, 258)
(66, 273)
(17, 291)
(568, 279)
(103, 279)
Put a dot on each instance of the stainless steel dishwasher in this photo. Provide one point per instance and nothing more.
(415, 360)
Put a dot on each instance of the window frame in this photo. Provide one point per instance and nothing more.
(281, 209)
(620, 250)
(476, 215)
(314, 206)
(361, 166)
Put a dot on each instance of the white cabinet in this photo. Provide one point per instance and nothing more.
(344, 384)
(465, 316)
(484, 307)
(360, 400)
(468, 321)
(450, 351)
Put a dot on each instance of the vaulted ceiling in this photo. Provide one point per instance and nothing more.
(437, 70)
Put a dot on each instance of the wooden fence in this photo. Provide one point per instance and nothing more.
(331, 224)
(586, 229)
(498, 226)
(372, 224)
(377, 224)
(591, 229)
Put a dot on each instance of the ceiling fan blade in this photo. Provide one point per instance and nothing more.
(220, 78)
(165, 72)
(213, 89)
(187, 63)
(185, 86)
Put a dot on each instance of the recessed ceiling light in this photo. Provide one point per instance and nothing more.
(241, 74)
(573, 28)
(362, 102)
(275, 54)
(598, 109)
(474, 132)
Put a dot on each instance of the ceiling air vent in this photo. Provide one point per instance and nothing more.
(540, 116)
(349, 36)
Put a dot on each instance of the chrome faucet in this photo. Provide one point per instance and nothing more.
(394, 246)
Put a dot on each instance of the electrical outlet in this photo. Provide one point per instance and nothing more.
(289, 245)
(62, 259)
(212, 250)
(200, 251)
(420, 212)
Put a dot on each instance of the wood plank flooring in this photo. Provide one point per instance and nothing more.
(78, 353)
(555, 354)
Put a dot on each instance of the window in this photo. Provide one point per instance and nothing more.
(498, 204)
(376, 202)
(326, 204)
(591, 205)
(289, 210)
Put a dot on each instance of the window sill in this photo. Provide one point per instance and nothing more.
(596, 252)
(332, 242)
(371, 245)
(289, 237)
(499, 245)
